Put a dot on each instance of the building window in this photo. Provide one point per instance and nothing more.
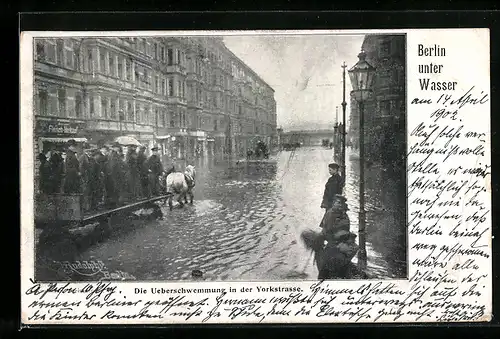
(155, 50)
(91, 107)
(384, 78)
(130, 111)
(215, 124)
(385, 108)
(69, 54)
(172, 119)
(40, 51)
(128, 68)
(51, 51)
(104, 107)
(171, 87)
(161, 117)
(111, 64)
(385, 48)
(90, 62)
(102, 62)
(137, 78)
(145, 79)
(157, 84)
(112, 109)
(170, 57)
(43, 99)
(147, 115)
(120, 68)
(138, 112)
(162, 53)
(61, 102)
(78, 105)
(164, 87)
(60, 52)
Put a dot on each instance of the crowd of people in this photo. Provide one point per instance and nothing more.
(105, 175)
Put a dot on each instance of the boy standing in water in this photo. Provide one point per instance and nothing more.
(334, 186)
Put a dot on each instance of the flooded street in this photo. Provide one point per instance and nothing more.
(246, 221)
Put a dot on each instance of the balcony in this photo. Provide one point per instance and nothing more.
(177, 100)
(173, 69)
(101, 79)
(192, 76)
(55, 70)
(113, 125)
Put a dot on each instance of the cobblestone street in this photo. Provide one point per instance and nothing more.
(246, 221)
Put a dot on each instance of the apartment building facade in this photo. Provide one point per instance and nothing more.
(385, 112)
(190, 95)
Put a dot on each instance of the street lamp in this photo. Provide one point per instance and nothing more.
(344, 135)
(361, 75)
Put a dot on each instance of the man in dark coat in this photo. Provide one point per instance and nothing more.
(142, 168)
(334, 186)
(95, 179)
(44, 174)
(72, 172)
(86, 171)
(155, 169)
(101, 158)
(56, 165)
(113, 176)
(133, 172)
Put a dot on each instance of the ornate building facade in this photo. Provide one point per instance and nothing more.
(385, 113)
(191, 95)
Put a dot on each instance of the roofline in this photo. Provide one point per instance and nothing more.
(246, 66)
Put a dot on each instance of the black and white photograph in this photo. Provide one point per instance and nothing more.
(220, 157)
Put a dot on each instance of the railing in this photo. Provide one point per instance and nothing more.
(58, 70)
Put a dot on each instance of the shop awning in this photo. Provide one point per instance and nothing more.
(63, 140)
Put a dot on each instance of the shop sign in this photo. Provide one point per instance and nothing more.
(58, 128)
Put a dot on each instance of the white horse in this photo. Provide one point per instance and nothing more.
(181, 184)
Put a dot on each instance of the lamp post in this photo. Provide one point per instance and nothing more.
(344, 104)
(362, 74)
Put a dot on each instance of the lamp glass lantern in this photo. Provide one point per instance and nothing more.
(362, 75)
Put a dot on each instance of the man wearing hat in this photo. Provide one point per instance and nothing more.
(133, 172)
(44, 174)
(334, 186)
(96, 181)
(155, 168)
(113, 176)
(85, 170)
(142, 169)
(72, 170)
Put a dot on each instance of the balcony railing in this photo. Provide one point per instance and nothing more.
(58, 70)
(114, 125)
(108, 80)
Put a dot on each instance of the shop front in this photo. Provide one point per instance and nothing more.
(178, 144)
(196, 142)
(210, 146)
(54, 134)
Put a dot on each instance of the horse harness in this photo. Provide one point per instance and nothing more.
(189, 180)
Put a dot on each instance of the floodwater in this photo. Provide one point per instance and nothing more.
(246, 221)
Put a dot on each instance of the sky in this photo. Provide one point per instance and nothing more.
(305, 72)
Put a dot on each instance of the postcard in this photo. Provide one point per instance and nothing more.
(220, 177)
